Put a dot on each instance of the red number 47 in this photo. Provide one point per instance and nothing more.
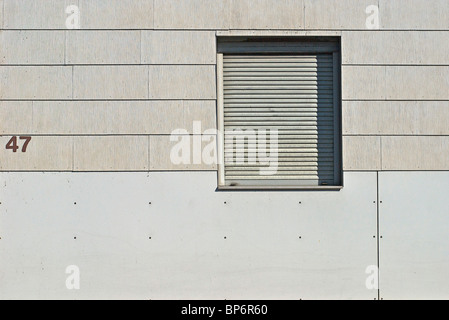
(12, 144)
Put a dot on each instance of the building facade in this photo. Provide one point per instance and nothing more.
(97, 95)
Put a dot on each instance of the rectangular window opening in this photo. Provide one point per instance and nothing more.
(279, 111)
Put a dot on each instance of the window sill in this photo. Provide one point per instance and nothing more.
(279, 188)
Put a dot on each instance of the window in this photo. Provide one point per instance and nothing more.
(279, 113)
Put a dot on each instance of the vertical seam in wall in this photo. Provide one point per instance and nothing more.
(378, 237)
(183, 106)
(32, 117)
(148, 82)
(65, 48)
(230, 25)
(73, 154)
(381, 154)
(380, 19)
(80, 14)
(73, 71)
(3, 15)
(215, 50)
(304, 14)
(149, 153)
(140, 46)
(154, 9)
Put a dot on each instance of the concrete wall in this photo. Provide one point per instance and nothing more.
(134, 51)
(107, 96)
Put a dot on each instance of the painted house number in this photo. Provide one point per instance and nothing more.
(12, 144)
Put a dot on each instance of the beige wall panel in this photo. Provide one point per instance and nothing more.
(103, 47)
(415, 153)
(110, 82)
(363, 82)
(361, 153)
(116, 14)
(182, 82)
(31, 47)
(16, 117)
(70, 117)
(43, 153)
(120, 117)
(395, 47)
(267, 14)
(1, 13)
(161, 117)
(396, 82)
(178, 47)
(202, 111)
(278, 33)
(417, 82)
(338, 14)
(191, 14)
(414, 14)
(36, 14)
(113, 153)
(161, 149)
(36, 82)
(396, 117)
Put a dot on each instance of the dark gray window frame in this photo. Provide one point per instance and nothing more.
(282, 45)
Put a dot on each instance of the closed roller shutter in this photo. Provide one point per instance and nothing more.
(293, 94)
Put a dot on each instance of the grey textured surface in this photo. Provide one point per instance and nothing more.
(188, 256)
(414, 249)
